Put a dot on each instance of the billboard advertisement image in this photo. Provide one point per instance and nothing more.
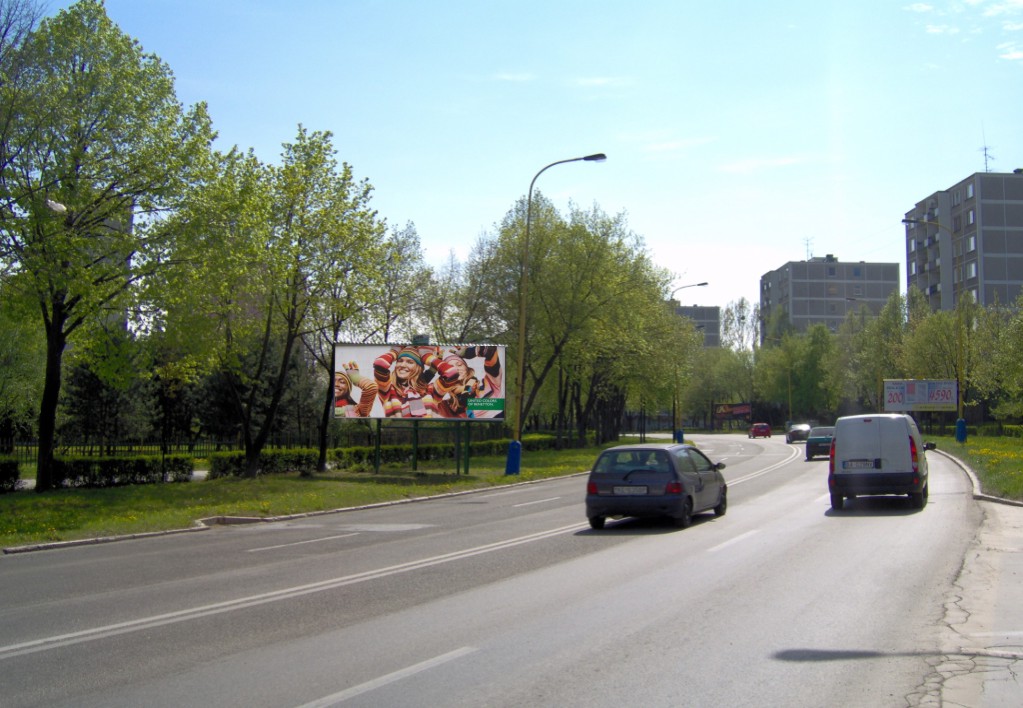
(452, 382)
(910, 395)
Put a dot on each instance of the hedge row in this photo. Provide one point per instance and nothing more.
(98, 472)
(232, 464)
(8, 474)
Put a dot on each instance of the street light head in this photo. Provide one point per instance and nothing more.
(597, 157)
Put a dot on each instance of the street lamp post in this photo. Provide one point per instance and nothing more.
(683, 287)
(676, 431)
(512, 466)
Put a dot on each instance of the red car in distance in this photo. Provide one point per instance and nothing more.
(760, 430)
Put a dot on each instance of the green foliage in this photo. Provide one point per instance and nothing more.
(9, 474)
(98, 472)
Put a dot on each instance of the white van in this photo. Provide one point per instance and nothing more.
(880, 453)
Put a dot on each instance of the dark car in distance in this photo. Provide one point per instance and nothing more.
(673, 481)
(760, 430)
(797, 431)
(819, 441)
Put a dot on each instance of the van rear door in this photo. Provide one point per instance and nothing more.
(858, 444)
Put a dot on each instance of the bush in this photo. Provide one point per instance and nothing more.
(357, 458)
(9, 474)
(232, 464)
(119, 471)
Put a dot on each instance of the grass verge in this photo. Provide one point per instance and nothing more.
(71, 514)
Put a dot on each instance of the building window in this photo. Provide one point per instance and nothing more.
(969, 191)
(832, 271)
(971, 244)
(912, 267)
(971, 269)
(971, 217)
(912, 245)
(857, 272)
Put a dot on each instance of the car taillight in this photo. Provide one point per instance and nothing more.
(913, 455)
(591, 487)
(673, 488)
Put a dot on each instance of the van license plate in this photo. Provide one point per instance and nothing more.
(630, 490)
(858, 465)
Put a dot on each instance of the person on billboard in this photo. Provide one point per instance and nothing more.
(345, 382)
(455, 404)
(412, 380)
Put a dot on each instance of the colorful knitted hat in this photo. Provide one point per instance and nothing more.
(410, 353)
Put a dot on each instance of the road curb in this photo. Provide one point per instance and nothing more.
(978, 495)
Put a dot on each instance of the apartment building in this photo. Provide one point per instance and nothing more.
(823, 290)
(707, 320)
(968, 239)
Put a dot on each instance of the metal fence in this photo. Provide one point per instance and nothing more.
(391, 433)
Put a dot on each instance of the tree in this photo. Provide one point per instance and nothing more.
(22, 352)
(96, 148)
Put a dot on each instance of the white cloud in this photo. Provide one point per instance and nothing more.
(1010, 51)
(1005, 7)
(920, 7)
(516, 78)
(666, 146)
(942, 29)
(601, 81)
(757, 164)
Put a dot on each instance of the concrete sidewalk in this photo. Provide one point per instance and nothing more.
(983, 663)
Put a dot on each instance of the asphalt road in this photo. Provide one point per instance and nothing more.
(507, 598)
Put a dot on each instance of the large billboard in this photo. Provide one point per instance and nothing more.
(908, 395)
(452, 382)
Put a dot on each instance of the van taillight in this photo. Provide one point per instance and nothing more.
(673, 488)
(913, 455)
(831, 456)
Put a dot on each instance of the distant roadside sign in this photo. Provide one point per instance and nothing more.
(908, 395)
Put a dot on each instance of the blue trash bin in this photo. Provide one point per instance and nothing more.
(960, 431)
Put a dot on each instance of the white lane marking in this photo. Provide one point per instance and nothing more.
(741, 537)
(538, 501)
(793, 454)
(299, 543)
(126, 627)
(376, 683)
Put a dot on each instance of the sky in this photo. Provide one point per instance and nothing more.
(739, 135)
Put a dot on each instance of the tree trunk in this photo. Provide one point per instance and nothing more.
(56, 340)
(328, 408)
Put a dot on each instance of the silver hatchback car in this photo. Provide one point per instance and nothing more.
(675, 481)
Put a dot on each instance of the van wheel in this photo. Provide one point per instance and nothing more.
(597, 522)
(918, 500)
(837, 501)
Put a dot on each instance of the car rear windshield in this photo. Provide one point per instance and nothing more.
(623, 461)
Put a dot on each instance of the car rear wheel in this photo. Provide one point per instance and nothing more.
(597, 522)
(685, 519)
(722, 506)
(837, 501)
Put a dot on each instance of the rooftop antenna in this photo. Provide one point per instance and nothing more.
(988, 157)
(808, 241)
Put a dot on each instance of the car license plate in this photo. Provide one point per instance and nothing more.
(632, 490)
(858, 465)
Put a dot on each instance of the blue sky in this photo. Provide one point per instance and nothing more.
(739, 135)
